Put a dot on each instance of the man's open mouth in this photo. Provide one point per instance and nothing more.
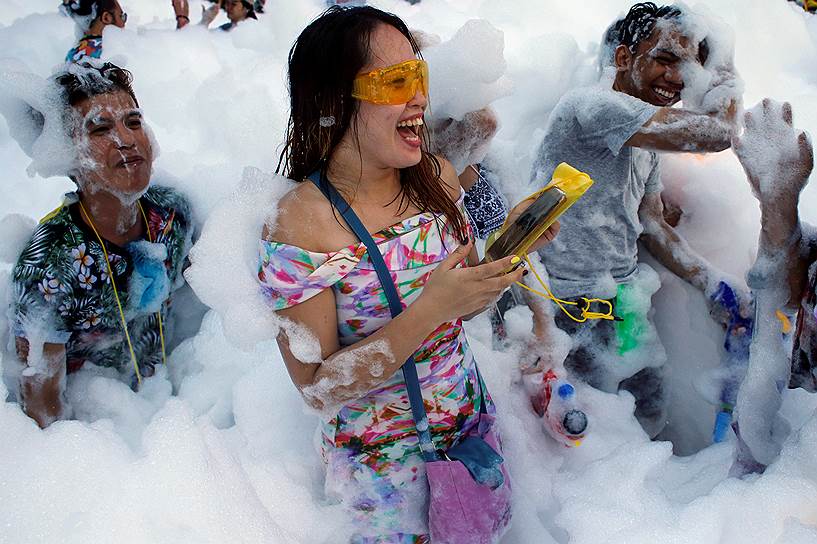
(663, 93)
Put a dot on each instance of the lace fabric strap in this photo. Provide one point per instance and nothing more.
(409, 368)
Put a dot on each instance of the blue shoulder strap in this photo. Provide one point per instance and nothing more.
(418, 411)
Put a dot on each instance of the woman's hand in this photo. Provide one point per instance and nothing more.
(452, 292)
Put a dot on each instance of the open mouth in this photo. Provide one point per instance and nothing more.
(409, 130)
(665, 94)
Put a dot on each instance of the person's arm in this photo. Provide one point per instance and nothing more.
(674, 129)
(449, 176)
(469, 176)
(778, 161)
(42, 382)
(465, 141)
(671, 250)
(340, 375)
(181, 8)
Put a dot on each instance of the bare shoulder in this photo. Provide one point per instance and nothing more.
(450, 178)
(306, 219)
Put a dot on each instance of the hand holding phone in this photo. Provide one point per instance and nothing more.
(516, 238)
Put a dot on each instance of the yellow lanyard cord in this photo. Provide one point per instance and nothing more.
(586, 313)
(116, 292)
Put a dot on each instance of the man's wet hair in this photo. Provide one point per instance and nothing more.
(639, 23)
(82, 81)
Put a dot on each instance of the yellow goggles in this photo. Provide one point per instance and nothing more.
(392, 85)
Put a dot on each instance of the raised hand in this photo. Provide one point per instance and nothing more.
(210, 13)
(776, 157)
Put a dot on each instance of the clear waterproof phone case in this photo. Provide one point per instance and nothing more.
(529, 226)
(566, 187)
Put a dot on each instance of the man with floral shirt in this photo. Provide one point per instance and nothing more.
(94, 283)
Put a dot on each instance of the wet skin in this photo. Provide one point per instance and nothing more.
(115, 151)
(654, 73)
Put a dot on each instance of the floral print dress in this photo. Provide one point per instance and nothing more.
(370, 446)
(63, 293)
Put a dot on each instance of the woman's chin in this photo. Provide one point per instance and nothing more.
(410, 158)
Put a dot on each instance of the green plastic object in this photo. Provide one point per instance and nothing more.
(632, 321)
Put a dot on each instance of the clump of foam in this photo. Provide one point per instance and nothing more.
(466, 72)
(15, 230)
(34, 110)
(229, 241)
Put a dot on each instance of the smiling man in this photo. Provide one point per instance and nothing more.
(612, 131)
(93, 285)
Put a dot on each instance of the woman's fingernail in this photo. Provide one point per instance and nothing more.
(515, 259)
(525, 272)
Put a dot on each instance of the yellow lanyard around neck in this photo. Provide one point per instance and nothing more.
(116, 292)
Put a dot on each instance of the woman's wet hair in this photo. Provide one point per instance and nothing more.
(324, 61)
(84, 80)
(84, 8)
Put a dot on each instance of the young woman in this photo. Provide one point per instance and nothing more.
(318, 275)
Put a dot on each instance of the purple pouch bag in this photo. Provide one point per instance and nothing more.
(461, 509)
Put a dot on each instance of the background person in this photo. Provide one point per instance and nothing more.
(778, 161)
(613, 132)
(237, 11)
(467, 139)
(93, 285)
(97, 14)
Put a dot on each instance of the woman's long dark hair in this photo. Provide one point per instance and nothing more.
(323, 63)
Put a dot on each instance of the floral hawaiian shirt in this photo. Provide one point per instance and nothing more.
(64, 294)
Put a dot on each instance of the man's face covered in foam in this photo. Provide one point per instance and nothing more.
(654, 73)
(115, 153)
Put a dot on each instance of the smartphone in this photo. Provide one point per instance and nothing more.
(528, 227)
